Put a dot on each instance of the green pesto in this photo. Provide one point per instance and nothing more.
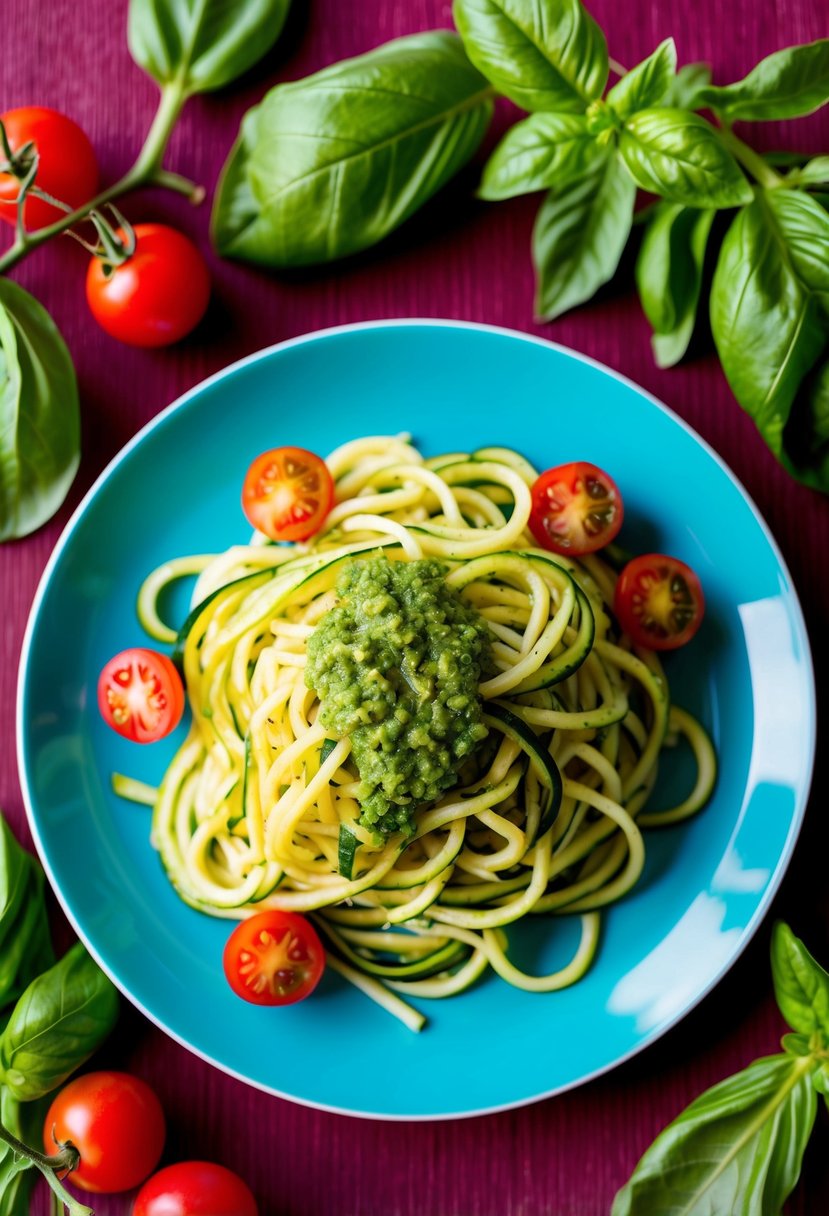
(396, 664)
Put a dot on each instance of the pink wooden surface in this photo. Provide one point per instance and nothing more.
(564, 1157)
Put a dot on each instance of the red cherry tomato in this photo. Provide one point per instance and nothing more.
(659, 601)
(576, 509)
(67, 168)
(274, 958)
(140, 695)
(157, 296)
(195, 1188)
(287, 493)
(117, 1125)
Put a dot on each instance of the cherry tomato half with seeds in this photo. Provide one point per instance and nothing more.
(117, 1125)
(576, 509)
(287, 493)
(67, 168)
(157, 296)
(274, 958)
(140, 695)
(195, 1188)
(659, 601)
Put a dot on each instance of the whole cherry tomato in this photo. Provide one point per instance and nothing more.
(157, 295)
(195, 1188)
(117, 1125)
(67, 168)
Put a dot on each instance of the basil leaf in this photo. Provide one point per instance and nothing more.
(683, 92)
(39, 414)
(15, 873)
(62, 1017)
(814, 173)
(800, 983)
(768, 317)
(547, 55)
(787, 84)
(17, 1174)
(579, 236)
(820, 1081)
(737, 1149)
(543, 151)
(331, 164)
(679, 156)
(669, 276)
(647, 84)
(202, 44)
(797, 1044)
(28, 949)
(347, 844)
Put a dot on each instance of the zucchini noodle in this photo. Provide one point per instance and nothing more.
(259, 808)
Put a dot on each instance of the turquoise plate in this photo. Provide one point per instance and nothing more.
(175, 489)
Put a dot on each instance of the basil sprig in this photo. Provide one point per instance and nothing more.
(739, 1147)
(330, 165)
(54, 1016)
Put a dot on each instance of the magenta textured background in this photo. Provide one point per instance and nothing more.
(459, 258)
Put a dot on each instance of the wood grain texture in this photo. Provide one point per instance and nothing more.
(464, 259)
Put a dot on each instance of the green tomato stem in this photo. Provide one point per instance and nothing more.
(146, 171)
(50, 1167)
(760, 169)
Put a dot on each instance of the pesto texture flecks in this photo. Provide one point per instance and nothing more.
(396, 665)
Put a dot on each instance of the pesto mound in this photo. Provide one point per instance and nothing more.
(396, 665)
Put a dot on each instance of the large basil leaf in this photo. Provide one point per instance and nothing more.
(333, 163)
(544, 55)
(62, 1017)
(647, 83)
(800, 983)
(202, 44)
(39, 414)
(786, 84)
(579, 236)
(669, 276)
(769, 302)
(679, 156)
(543, 151)
(737, 1149)
(683, 92)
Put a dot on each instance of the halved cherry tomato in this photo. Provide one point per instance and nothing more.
(157, 296)
(274, 958)
(659, 601)
(67, 168)
(195, 1188)
(117, 1125)
(287, 493)
(140, 695)
(576, 509)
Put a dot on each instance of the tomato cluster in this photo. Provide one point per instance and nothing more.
(155, 297)
(116, 1123)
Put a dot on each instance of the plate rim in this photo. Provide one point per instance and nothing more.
(781, 865)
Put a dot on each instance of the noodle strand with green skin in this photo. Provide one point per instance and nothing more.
(260, 807)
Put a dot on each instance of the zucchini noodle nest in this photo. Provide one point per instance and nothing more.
(259, 808)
